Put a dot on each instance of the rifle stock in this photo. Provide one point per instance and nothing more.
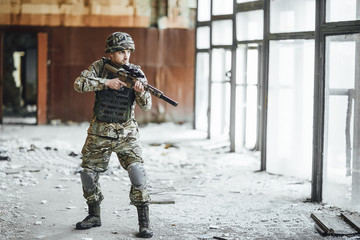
(130, 81)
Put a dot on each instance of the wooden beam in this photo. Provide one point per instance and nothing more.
(42, 79)
(1, 74)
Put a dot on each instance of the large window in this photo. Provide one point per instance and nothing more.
(203, 37)
(283, 77)
(203, 10)
(290, 107)
(220, 94)
(342, 10)
(249, 25)
(292, 16)
(201, 91)
(341, 165)
(247, 97)
(222, 7)
(222, 32)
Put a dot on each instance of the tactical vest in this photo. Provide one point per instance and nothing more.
(114, 106)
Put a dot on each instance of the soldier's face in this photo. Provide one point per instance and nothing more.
(120, 57)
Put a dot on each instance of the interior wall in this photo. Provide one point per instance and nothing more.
(95, 13)
(166, 56)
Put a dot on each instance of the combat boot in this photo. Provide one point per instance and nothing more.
(144, 222)
(92, 220)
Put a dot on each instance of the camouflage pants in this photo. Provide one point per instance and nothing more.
(96, 155)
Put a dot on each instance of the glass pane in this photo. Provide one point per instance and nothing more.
(290, 108)
(222, 33)
(244, 1)
(342, 139)
(252, 66)
(202, 93)
(221, 7)
(342, 10)
(246, 97)
(241, 64)
(249, 25)
(341, 63)
(251, 117)
(221, 65)
(220, 110)
(240, 118)
(204, 10)
(336, 183)
(203, 37)
(292, 16)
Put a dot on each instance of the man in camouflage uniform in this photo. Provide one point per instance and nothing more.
(114, 129)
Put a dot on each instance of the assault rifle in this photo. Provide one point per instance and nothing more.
(130, 75)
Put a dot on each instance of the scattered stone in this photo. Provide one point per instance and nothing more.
(40, 236)
(70, 207)
(38, 223)
(22, 149)
(32, 148)
(72, 154)
(86, 239)
(5, 158)
(222, 238)
(170, 145)
(55, 122)
(47, 148)
(214, 227)
(24, 184)
(44, 202)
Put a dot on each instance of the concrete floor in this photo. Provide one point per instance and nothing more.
(217, 195)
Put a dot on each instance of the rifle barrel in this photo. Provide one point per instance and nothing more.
(169, 100)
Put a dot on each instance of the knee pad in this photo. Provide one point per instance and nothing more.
(89, 179)
(137, 175)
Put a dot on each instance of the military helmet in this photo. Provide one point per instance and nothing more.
(118, 41)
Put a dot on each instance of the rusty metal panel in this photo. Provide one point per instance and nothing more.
(166, 56)
(178, 46)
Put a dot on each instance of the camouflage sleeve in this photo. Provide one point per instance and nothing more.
(89, 79)
(143, 99)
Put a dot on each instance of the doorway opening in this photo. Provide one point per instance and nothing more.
(20, 78)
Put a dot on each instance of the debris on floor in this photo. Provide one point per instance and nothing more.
(339, 225)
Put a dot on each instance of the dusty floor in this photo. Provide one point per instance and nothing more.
(216, 194)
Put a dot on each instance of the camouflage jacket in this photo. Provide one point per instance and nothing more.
(93, 79)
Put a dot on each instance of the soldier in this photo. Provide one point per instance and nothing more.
(113, 129)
